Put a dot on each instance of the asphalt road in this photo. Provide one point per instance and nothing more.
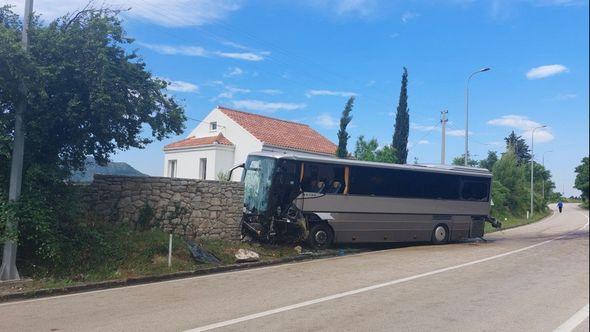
(532, 278)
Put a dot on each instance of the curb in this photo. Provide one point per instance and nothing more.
(45, 292)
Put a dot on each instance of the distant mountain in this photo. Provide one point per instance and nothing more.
(113, 168)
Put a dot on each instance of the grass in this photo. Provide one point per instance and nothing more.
(511, 221)
(145, 253)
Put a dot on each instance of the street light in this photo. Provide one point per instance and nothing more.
(544, 168)
(466, 157)
(533, 165)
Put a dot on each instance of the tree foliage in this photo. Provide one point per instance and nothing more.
(490, 160)
(518, 144)
(460, 161)
(582, 178)
(370, 151)
(343, 136)
(87, 95)
(402, 123)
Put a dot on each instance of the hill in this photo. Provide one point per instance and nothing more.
(112, 168)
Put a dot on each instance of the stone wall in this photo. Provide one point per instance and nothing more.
(191, 208)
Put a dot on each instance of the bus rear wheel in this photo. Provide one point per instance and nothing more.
(440, 234)
(320, 236)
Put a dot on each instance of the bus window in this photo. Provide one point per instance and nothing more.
(475, 190)
(323, 178)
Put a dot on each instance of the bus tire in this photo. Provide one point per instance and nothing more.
(440, 234)
(320, 236)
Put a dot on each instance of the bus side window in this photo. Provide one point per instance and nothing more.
(323, 178)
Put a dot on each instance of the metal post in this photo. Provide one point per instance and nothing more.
(8, 271)
(443, 121)
(170, 251)
(466, 155)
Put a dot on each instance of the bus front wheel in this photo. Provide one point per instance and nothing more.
(440, 234)
(320, 236)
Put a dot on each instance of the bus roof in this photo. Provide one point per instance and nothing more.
(452, 169)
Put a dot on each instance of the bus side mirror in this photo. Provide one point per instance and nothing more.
(242, 165)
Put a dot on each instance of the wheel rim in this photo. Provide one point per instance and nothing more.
(321, 237)
(440, 233)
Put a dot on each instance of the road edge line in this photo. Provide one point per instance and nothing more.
(575, 320)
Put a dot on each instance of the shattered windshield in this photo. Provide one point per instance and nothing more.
(257, 181)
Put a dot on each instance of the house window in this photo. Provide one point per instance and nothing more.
(213, 126)
(203, 168)
(172, 168)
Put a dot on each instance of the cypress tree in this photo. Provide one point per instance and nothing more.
(343, 136)
(402, 123)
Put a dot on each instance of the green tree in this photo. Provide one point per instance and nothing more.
(460, 161)
(343, 136)
(87, 95)
(582, 178)
(512, 176)
(518, 145)
(490, 160)
(402, 123)
(369, 151)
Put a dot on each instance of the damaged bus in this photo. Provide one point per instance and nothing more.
(328, 200)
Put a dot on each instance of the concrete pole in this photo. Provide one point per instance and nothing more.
(8, 271)
(533, 166)
(443, 121)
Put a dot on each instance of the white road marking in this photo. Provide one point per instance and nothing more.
(367, 289)
(575, 320)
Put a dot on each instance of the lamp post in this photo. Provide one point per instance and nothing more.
(544, 168)
(466, 157)
(533, 165)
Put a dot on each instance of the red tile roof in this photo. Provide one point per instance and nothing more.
(281, 133)
(194, 142)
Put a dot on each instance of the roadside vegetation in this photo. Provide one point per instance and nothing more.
(511, 184)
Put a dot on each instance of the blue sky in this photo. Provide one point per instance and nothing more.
(300, 62)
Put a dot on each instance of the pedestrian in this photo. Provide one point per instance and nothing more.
(560, 206)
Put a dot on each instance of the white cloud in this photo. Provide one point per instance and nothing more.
(423, 142)
(263, 106)
(181, 86)
(312, 93)
(234, 71)
(201, 52)
(176, 50)
(525, 124)
(545, 71)
(407, 16)
(326, 120)
(248, 56)
(271, 91)
(175, 13)
(514, 121)
(458, 133)
(361, 8)
(565, 96)
(229, 92)
(453, 132)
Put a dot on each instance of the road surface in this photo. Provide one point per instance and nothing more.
(532, 278)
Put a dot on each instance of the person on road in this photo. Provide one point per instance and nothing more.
(560, 206)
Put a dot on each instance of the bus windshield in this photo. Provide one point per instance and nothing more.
(258, 176)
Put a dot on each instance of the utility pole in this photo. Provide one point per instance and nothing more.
(8, 270)
(533, 167)
(443, 121)
(466, 155)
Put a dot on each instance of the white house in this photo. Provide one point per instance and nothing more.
(225, 138)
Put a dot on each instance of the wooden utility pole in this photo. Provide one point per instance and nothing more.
(8, 270)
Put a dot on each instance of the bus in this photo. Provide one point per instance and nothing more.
(325, 200)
